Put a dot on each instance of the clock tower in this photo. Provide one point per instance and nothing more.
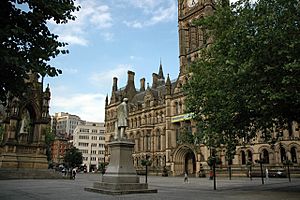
(191, 37)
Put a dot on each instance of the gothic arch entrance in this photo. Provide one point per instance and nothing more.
(184, 160)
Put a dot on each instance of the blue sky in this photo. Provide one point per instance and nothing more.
(108, 38)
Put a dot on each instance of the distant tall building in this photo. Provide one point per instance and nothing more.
(64, 124)
(89, 138)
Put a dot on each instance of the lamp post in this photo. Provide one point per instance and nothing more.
(229, 168)
(91, 157)
(212, 160)
(249, 164)
(288, 163)
(147, 163)
(214, 170)
(260, 161)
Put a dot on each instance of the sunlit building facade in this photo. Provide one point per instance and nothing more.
(157, 114)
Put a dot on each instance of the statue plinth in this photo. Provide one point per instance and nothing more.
(120, 176)
(120, 168)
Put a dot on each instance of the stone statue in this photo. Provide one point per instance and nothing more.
(122, 116)
(25, 122)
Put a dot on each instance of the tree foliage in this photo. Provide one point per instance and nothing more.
(186, 136)
(49, 138)
(248, 79)
(26, 43)
(73, 157)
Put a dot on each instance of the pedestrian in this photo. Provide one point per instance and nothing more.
(267, 174)
(186, 178)
(74, 173)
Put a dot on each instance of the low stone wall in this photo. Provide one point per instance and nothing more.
(12, 173)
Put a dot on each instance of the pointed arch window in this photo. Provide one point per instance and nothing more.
(282, 154)
(158, 140)
(265, 154)
(250, 156)
(148, 143)
(243, 157)
(176, 108)
(294, 154)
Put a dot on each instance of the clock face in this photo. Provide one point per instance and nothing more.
(192, 3)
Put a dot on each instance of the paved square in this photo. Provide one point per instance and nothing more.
(168, 188)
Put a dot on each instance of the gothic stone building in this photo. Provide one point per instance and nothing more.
(157, 113)
(25, 123)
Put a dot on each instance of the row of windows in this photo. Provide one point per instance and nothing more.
(84, 144)
(86, 130)
(84, 137)
(87, 137)
(265, 156)
(86, 151)
(137, 122)
(92, 158)
(149, 143)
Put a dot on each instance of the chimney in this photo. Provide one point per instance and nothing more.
(155, 78)
(142, 81)
(130, 90)
(130, 80)
(115, 84)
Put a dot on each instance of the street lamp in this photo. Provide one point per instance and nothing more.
(91, 157)
(212, 161)
(146, 163)
(288, 163)
(261, 161)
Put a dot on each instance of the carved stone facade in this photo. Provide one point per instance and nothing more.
(25, 123)
(157, 114)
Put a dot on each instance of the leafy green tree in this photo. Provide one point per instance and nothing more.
(248, 79)
(26, 44)
(73, 157)
(102, 167)
(186, 136)
(49, 138)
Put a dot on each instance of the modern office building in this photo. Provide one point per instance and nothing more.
(89, 138)
(64, 124)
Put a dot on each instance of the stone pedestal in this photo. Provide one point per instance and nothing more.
(120, 176)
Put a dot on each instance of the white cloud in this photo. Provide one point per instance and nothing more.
(163, 14)
(105, 77)
(70, 70)
(73, 39)
(155, 11)
(133, 24)
(92, 15)
(87, 106)
(146, 5)
(135, 58)
(108, 36)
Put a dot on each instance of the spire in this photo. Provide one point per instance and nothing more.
(168, 85)
(106, 100)
(115, 84)
(47, 92)
(161, 73)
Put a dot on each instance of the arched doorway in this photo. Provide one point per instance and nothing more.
(184, 160)
(190, 163)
